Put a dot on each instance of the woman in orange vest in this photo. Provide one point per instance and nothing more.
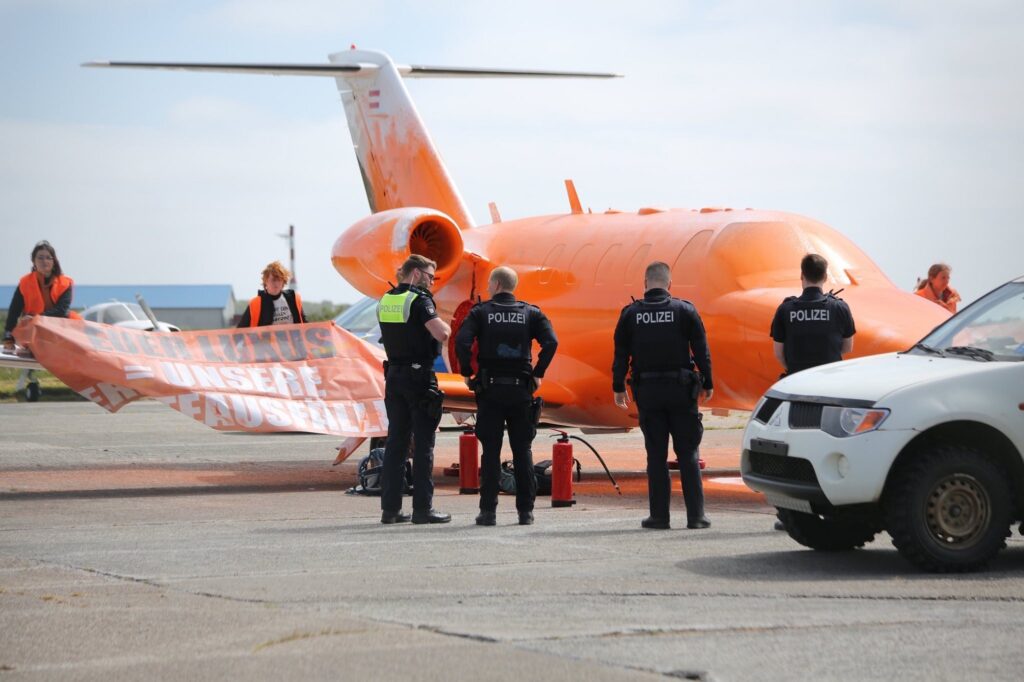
(273, 303)
(44, 291)
(936, 288)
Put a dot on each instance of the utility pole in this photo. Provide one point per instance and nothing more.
(291, 250)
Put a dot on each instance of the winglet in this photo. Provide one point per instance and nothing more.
(574, 199)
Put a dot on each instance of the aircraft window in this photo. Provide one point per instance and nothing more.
(118, 312)
(637, 265)
(687, 266)
(601, 275)
(578, 264)
(548, 269)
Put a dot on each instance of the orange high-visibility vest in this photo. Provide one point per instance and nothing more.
(256, 304)
(33, 295)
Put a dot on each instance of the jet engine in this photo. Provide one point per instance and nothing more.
(369, 253)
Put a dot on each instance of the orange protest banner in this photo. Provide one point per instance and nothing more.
(316, 378)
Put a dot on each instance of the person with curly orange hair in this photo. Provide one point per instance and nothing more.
(273, 304)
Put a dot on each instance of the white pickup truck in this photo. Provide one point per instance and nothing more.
(927, 444)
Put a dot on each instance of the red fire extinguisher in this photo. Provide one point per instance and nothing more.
(561, 472)
(469, 462)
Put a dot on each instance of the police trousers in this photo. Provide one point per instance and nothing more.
(497, 407)
(405, 398)
(666, 409)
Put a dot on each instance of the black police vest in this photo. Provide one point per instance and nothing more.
(504, 337)
(408, 341)
(659, 334)
(813, 333)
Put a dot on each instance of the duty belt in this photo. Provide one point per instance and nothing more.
(667, 374)
(507, 381)
(414, 365)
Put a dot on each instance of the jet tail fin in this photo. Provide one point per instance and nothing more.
(397, 159)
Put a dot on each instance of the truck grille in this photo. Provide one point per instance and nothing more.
(767, 410)
(805, 415)
(782, 467)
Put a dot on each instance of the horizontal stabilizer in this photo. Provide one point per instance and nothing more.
(271, 69)
(415, 71)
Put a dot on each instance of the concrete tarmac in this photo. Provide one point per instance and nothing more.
(142, 545)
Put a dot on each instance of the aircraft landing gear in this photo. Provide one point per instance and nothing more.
(27, 382)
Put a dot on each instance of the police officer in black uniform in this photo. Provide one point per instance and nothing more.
(654, 338)
(505, 329)
(412, 335)
(813, 328)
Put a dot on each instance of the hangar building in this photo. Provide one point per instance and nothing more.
(189, 306)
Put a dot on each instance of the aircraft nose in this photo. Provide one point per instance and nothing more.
(886, 320)
(889, 320)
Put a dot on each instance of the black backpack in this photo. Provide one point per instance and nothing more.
(369, 472)
(541, 472)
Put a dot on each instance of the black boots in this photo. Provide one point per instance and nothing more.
(699, 523)
(393, 517)
(430, 516)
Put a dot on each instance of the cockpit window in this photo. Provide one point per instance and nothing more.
(990, 328)
(122, 312)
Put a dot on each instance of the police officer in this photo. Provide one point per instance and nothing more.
(654, 338)
(412, 335)
(504, 329)
(812, 329)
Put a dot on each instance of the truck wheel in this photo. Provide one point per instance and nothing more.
(828, 533)
(949, 509)
(32, 391)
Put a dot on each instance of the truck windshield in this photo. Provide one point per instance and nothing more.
(991, 328)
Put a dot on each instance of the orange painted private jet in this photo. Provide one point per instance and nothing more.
(736, 265)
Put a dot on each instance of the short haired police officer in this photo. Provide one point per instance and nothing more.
(412, 335)
(813, 328)
(504, 329)
(654, 338)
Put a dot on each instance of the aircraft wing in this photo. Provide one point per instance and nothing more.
(458, 397)
(15, 361)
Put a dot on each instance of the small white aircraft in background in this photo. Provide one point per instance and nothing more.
(130, 315)
(116, 313)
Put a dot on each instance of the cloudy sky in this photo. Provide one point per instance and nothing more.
(901, 124)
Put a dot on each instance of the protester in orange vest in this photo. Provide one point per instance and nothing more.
(273, 303)
(936, 288)
(44, 291)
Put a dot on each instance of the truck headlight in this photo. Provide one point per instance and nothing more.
(843, 422)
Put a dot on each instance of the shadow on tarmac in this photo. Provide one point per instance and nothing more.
(879, 561)
(171, 491)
